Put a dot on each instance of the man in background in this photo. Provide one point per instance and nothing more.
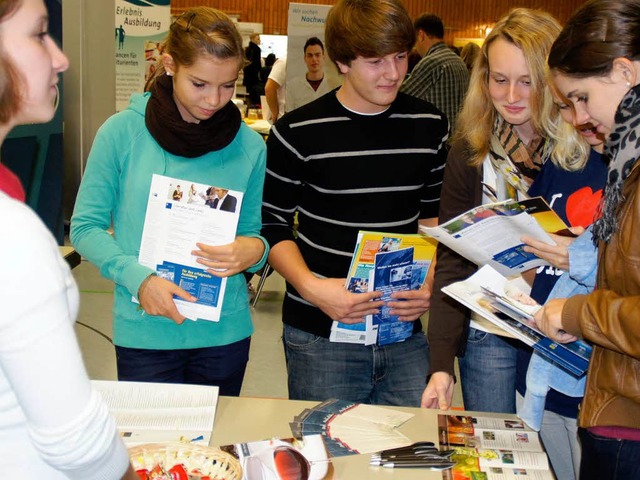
(275, 90)
(441, 77)
(251, 79)
(306, 88)
(362, 157)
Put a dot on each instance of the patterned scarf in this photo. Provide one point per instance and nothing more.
(517, 163)
(182, 138)
(623, 151)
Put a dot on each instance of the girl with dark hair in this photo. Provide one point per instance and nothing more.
(596, 64)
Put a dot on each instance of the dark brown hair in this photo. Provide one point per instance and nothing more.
(9, 78)
(367, 28)
(201, 30)
(598, 32)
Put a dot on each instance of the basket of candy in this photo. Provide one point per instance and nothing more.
(183, 462)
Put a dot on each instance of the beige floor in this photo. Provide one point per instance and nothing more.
(266, 373)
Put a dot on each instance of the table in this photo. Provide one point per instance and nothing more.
(71, 256)
(263, 127)
(245, 419)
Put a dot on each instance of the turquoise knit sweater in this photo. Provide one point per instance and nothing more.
(114, 191)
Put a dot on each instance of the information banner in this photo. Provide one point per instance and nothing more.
(140, 28)
(306, 21)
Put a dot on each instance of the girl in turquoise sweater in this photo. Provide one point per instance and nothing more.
(184, 127)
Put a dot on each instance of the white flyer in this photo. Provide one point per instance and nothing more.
(180, 214)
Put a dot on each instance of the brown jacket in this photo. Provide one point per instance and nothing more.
(610, 318)
(448, 326)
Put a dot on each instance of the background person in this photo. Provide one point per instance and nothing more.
(468, 55)
(441, 77)
(361, 145)
(52, 424)
(186, 129)
(251, 73)
(314, 83)
(596, 64)
(275, 90)
(269, 60)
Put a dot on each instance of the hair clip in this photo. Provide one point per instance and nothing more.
(193, 15)
(188, 26)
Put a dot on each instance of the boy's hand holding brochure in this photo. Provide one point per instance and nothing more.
(394, 267)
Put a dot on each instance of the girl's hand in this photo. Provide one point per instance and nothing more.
(549, 321)
(227, 260)
(156, 298)
(557, 255)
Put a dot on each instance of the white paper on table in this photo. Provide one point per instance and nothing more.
(377, 414)
(172, 227)
(160, 412)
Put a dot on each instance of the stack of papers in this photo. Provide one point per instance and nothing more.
(505, 304)
(160, 412)
(351, 428)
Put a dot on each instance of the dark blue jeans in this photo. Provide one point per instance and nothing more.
(222, 366)
(606, 458)
(488, 373)
(318, 369)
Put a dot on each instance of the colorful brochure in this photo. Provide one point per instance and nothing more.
(281, 458)
(492, 448)
(491, 234)
(386, 262)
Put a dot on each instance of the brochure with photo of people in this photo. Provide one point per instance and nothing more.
(181, 213)
(491, 234)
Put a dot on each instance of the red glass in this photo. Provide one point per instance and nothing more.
(291, 464)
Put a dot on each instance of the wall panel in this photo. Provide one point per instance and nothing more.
(462, 18)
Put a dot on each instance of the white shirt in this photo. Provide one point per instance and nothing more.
(279, 74)
(300, 92)
(491, 184)
(52, 424)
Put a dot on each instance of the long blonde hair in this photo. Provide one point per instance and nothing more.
(533, 32)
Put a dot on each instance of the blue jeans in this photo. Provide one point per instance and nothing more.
(385, 375)
(606, 458)
(222, 366)
(488, 373)
(559, 436)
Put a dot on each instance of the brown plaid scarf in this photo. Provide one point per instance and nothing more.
(517, 163)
